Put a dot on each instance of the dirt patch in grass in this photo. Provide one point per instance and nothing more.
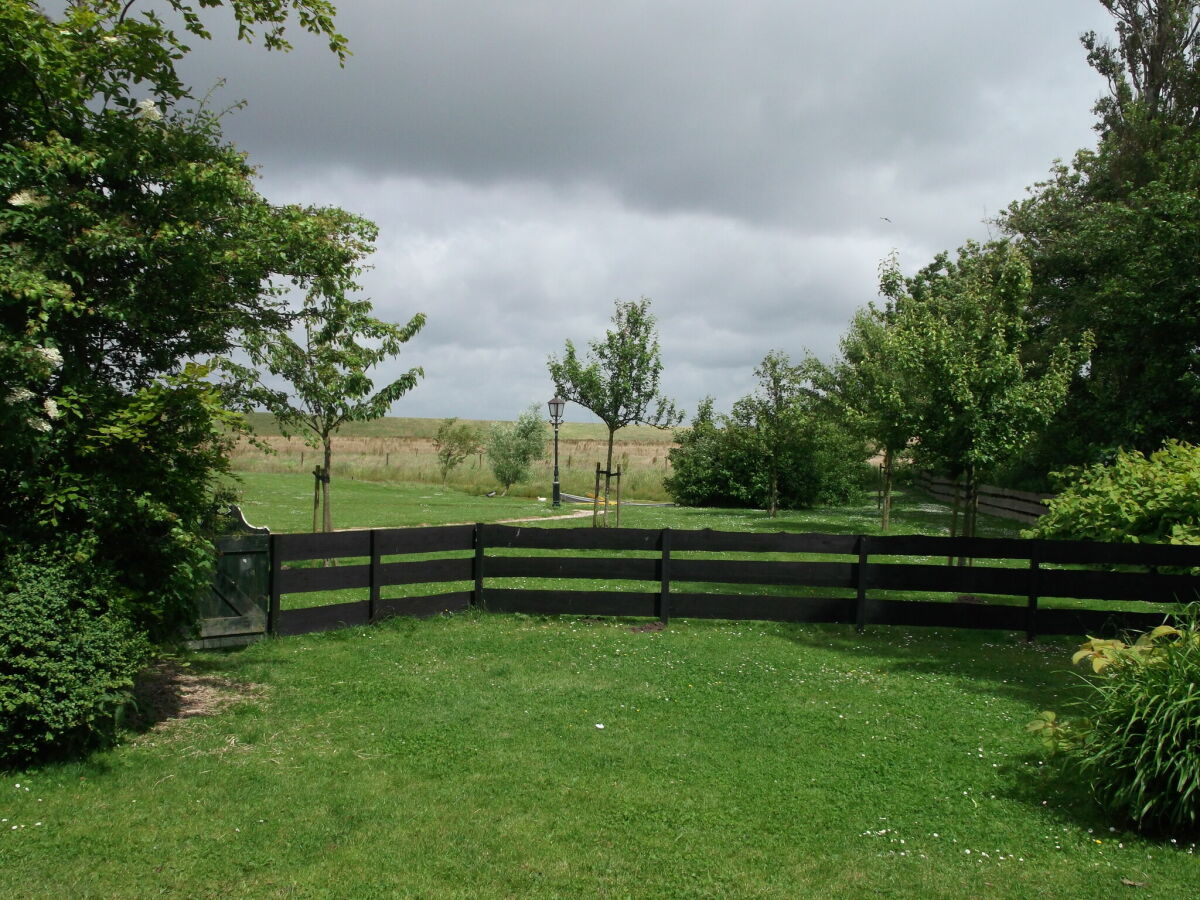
(648, 627)
(167, 692)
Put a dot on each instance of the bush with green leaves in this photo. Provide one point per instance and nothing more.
(720, 462)
(1137, 740)
(1135, 498)
(66, 662)
(513, 449)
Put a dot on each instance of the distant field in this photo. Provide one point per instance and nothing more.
(402, 450)
(401, 427)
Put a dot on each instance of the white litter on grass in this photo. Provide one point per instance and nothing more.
(598, 725)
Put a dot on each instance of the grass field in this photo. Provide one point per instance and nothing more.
(464, 757)
(402, 450)
(283, 503)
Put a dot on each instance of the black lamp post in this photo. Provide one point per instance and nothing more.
(556, 411)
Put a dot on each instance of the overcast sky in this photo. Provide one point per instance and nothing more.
(745, 165)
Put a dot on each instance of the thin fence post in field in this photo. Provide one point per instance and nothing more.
(1031, 609)
(664, 596)
(477, 597)
(376, 573)
(860, 615)
(273, 583)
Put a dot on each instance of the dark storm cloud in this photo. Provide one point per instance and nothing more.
(746, 165)
(751, 109)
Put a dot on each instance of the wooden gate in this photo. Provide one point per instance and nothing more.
(233, 611)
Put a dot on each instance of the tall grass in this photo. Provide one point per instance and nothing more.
(413, 458)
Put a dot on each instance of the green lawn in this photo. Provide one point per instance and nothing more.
(461, 757)
(283, 503)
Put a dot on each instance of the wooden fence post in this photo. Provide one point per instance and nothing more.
(1031, 609)
(664, 595)
(860, 616)
(273, 583)
(376, 564)
(477, 598)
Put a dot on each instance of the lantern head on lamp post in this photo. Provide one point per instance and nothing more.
(556, 405)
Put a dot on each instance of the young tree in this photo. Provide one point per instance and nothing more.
(961, 329)
(619, 381)
(513, 449)
(133, 245)
(327, 370)
(867, 387)
(774, 419)
(454, 444)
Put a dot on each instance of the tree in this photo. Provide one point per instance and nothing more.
(620, 380)
(774, 419)
(513, 448)
(454, 444)
(778, 448)
(1111, 239)
(132, 247)
(327, 372)
(960, 331)
(701, 474)
(868, 388)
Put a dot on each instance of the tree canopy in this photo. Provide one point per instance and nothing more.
(960, 330)
(1111, 239)
(619, 381)
(134, 251)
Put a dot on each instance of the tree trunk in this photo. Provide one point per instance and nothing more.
(612, 432)
(971, 513)
(953, 519)
(316, 497)
(773, 494)
(327, 520)
(887, 488)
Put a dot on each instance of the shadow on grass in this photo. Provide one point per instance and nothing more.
(988, 662)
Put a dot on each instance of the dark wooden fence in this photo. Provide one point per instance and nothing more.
(674, 573)
(1005, 503)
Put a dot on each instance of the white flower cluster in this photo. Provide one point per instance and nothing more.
(51, 355)
(27, 197)
(149, 110)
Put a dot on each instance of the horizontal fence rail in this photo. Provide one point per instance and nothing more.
(665, 573)
(1003, 503)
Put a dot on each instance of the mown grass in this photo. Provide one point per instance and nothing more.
(283, 503)
(462, 757)
(271, 499)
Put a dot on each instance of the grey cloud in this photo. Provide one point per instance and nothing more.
(530, 162)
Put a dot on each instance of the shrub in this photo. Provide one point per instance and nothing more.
(720, 463)
(66, 664)
(513, 449)
(1134, 498)
(1138, 743)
